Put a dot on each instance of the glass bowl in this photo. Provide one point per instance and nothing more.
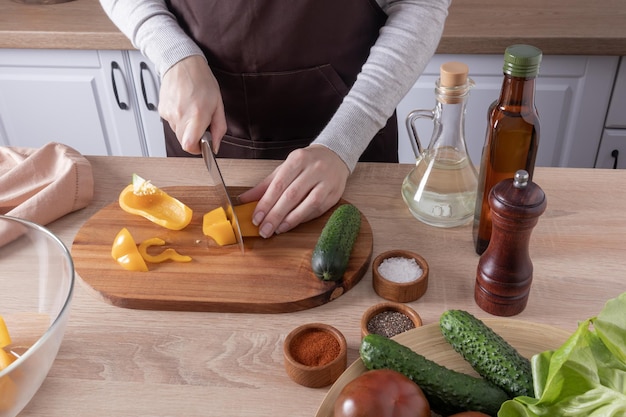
(36, 285)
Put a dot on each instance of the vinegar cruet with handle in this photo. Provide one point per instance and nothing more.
(441, 189)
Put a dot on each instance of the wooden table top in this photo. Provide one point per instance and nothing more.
(562, 27)
(122, 362)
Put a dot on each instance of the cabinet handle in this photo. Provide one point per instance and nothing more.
(143, 67)
(615, 154)
(115, 67)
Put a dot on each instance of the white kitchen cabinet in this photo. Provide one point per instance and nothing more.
(89, 100)
(572, 98)
(616, 116)
(105, 103)
(146, 83)
(612, 150)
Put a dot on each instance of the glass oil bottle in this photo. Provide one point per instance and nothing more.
(441, 189)
(512, 137)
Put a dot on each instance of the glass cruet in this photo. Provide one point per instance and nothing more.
(441, 189)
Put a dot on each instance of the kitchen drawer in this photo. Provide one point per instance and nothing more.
(612, 152)
(49, 58)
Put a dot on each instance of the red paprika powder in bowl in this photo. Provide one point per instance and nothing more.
(315, 354)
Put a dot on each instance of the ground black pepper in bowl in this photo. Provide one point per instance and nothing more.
(388, 319)
(389, 323)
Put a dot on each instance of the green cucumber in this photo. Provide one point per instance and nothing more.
(448, 391)
(334, 246)
(488, 353)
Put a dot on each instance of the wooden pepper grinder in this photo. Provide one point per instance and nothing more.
(505, 270)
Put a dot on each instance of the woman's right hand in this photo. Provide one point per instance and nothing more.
(190, 101)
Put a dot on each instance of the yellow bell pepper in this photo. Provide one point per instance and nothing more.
(214, 216)
(166, 255)
(216, 225)
(6, 359)
(5, 337)
(125, 252)
(144, 199)
(244, 214)
(221, 232)
(5, 340)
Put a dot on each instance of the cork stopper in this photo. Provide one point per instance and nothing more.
(453, 74)
(453, 84)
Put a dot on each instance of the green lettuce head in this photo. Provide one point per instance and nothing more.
(586, 376)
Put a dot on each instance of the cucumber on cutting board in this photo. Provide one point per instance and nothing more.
(488, 353)
(447, 391)
(333, 248)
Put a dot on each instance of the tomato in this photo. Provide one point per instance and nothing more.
(381, 393)
(470, 414)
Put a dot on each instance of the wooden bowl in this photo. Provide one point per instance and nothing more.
(401, 292)
(374, 310)
(311, 375)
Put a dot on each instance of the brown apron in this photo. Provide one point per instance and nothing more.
(283, 69)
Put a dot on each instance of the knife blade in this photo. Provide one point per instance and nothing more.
(220, 186)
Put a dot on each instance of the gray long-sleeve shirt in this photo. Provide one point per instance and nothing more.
(406, 43)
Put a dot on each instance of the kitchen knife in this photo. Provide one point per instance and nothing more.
(219, 186)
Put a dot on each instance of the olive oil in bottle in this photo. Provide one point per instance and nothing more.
(512, 135)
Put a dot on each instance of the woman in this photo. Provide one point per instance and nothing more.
(314, 82)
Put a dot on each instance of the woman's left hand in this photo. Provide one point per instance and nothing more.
(308, 183)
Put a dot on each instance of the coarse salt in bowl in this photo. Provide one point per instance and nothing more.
(400, 275)
(400, 269)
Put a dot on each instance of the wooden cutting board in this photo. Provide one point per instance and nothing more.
(273, 275)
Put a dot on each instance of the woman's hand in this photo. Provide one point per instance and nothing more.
(190, 101)
(309, 182)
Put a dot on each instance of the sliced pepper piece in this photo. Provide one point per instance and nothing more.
(216, 225)
(214, 216)
(221, 232)
(244, 214)
(144, 199)
(5, 340)
(166, 255)
(5, 337)
(125, 252)
(6, 359)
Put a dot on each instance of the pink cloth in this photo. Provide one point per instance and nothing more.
(42, 185)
